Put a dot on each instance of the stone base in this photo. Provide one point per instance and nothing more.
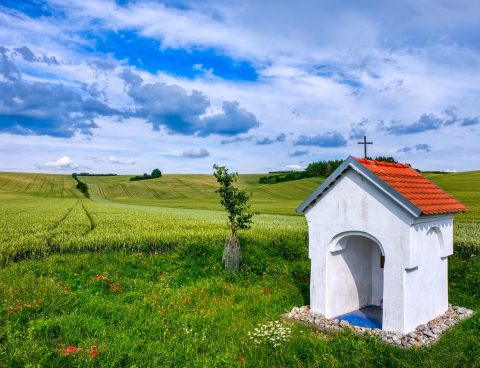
(423, 335)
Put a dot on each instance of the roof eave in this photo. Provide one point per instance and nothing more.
(351, 162)
(325, 184)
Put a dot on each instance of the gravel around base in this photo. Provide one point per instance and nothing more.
(423, 335)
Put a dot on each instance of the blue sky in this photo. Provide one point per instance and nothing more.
(127, 86)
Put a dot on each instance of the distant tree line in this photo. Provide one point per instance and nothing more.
(384, 158)
(319, 168)
(154, 175)
(88, 174)
(81, 186)
(281, 177)
(314, 169)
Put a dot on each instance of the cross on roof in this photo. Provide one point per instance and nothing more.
(365, 145)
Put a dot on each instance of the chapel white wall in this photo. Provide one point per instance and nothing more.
(426, 284)
(355, 204)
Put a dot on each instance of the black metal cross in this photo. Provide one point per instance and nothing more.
(365, 145)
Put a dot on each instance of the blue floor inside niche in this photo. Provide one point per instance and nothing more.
(369, 316)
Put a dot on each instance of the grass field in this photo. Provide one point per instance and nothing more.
(136, 272)
(197, 191)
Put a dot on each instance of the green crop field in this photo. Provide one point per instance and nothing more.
(197, 191)
(136, 272)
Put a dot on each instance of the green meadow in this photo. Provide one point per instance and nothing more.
(136, 272)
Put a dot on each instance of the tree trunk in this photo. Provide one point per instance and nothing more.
(231, 254)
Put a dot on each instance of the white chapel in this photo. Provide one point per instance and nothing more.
(380, 235)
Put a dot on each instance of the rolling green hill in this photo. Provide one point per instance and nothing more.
(198, 190)
(42, 185)
(464, 186)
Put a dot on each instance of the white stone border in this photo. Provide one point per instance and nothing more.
(423, 335)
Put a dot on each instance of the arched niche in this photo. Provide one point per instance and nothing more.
(339, 242)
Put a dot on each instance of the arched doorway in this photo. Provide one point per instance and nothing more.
(355, 279)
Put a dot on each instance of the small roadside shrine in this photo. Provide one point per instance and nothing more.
(379, 239)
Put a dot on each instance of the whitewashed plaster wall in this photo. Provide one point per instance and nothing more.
(426, 281)
(353, 206)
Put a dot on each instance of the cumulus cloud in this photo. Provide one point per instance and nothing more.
(294, 167)
(236, 140)
(173, 108)
(234, 120)
(422, 147)
(43, 108)
(305, 76)
(105, 64)
(29, 56)
(63, 163)
(328, 139)
(8, 69)
(195, 153)
(428, 122)
(121, 160)
(259, 141)
(264, 141)
(298, 153)
(358, 130)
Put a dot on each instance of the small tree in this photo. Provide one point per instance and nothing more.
(156, 174)
(235, 202)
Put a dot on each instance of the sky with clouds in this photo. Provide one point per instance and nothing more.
(128, 86)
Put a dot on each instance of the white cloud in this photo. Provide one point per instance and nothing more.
(63, 163)
(121, 160)
(195, 153)
(304, 66)
(294, 167)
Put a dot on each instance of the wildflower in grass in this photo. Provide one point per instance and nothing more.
(70, 350)
(102, 277)
(271, 333)
(92, 352)
(187, 299)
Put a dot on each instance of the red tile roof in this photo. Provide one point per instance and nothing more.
(425, 195)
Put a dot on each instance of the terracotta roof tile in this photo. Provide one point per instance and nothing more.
(425, 195)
